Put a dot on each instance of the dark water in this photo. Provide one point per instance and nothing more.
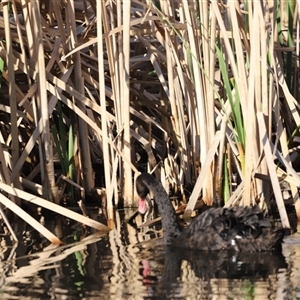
(130, 264)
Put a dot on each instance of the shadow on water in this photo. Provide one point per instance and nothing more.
(129, 264)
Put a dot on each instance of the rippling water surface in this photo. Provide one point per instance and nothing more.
(129, 263)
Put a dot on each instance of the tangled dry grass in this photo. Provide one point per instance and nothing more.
(202, 93)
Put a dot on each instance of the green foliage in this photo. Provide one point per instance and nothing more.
(232, 95)
(286, 39)
(64, 147)
(226, 180)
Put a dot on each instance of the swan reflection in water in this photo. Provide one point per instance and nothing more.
(169, 272)
(209, 265)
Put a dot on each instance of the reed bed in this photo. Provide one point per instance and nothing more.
(201, 93)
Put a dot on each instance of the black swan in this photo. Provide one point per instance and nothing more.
(237, 228)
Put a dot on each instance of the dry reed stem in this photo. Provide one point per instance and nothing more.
(51, 206)
(29, 219)
(272, 172)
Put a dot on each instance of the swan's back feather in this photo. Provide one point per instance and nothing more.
(237, 228)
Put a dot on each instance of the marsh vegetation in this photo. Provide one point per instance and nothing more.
(204, 94)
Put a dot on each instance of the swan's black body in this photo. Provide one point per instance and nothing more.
(237, 228)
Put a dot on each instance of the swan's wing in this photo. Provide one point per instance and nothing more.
(204, 232)
(237, 228)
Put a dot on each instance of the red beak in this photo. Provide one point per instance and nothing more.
(143, 206)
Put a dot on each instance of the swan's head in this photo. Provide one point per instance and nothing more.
(142, 191)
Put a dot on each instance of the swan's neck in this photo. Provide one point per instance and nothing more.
(170, 225)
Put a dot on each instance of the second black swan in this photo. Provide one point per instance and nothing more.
(237, 228)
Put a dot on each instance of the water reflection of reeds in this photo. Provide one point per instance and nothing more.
(128, 264)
